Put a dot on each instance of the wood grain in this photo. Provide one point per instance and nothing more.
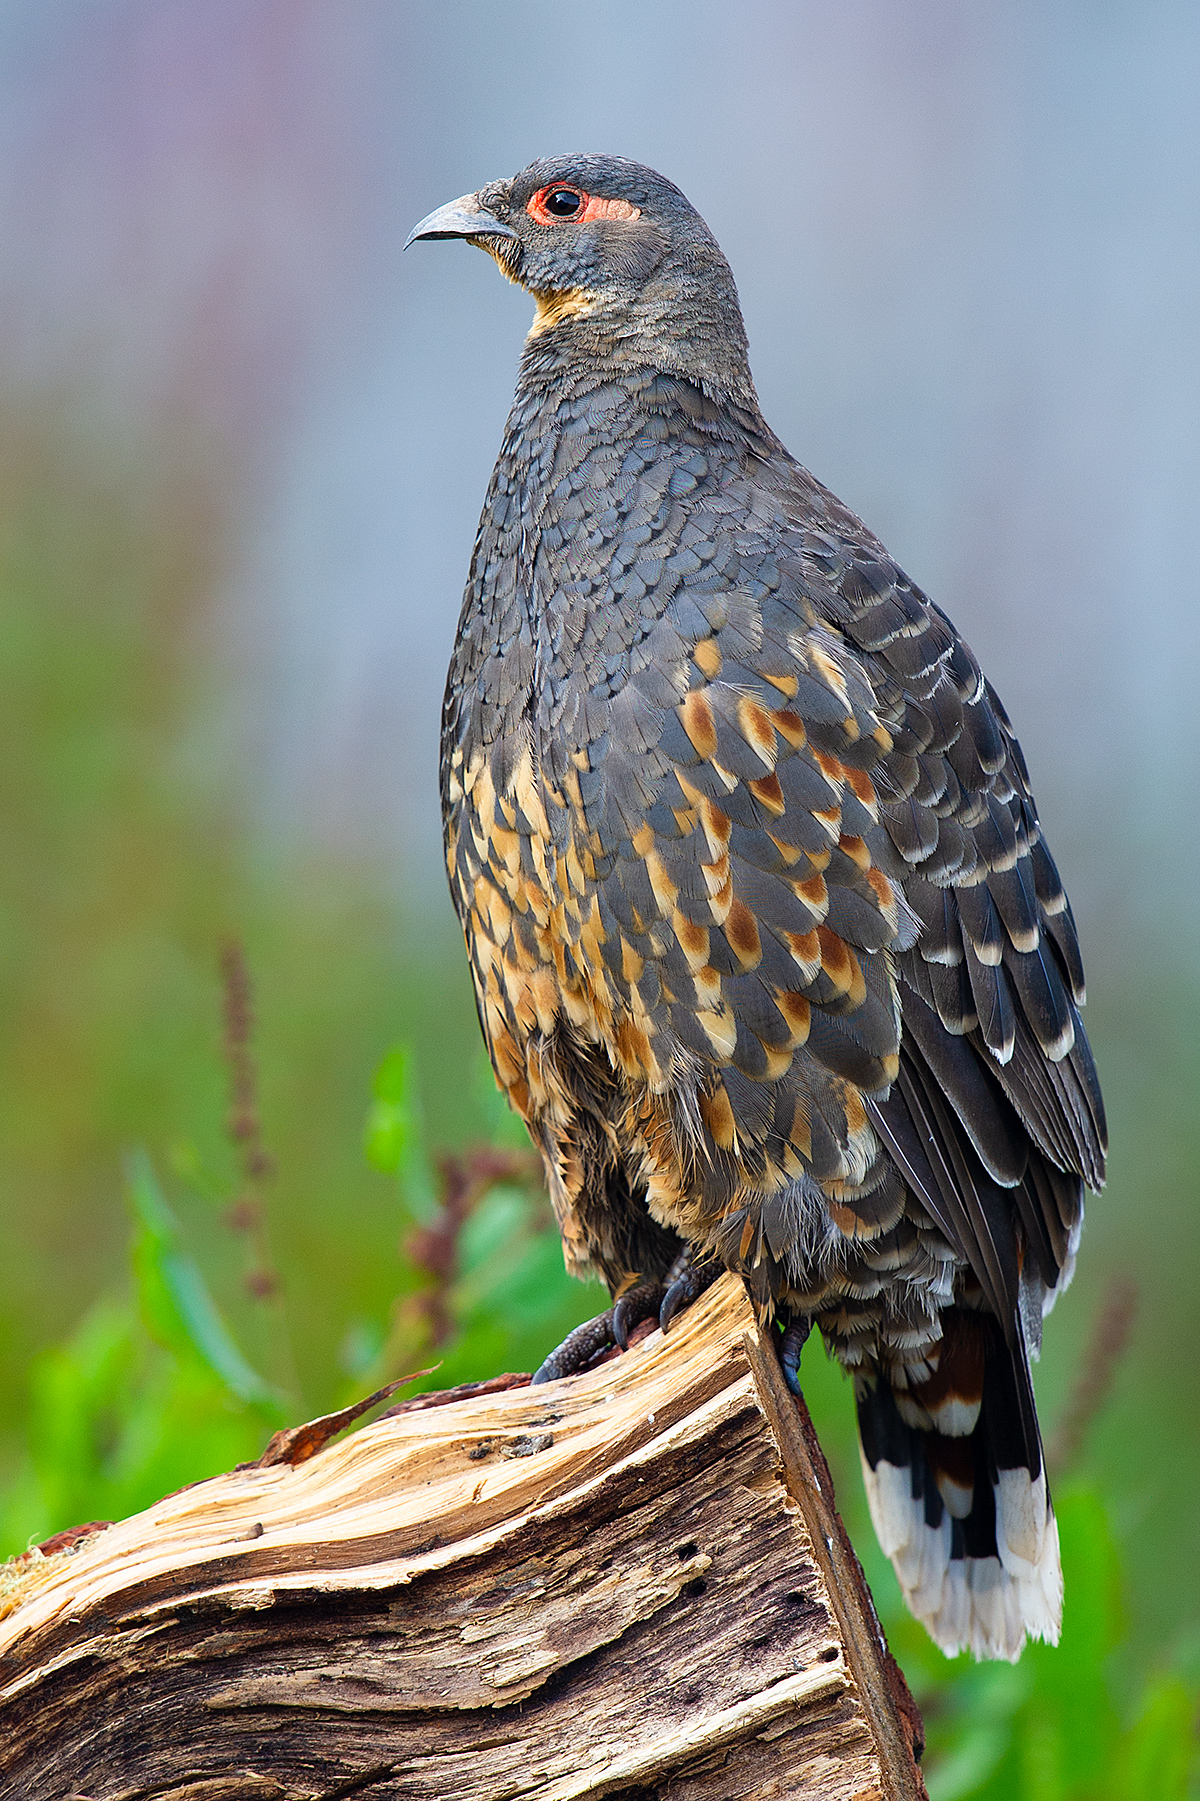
(631, 1583)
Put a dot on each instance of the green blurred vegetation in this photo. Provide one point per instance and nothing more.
(163, 1309)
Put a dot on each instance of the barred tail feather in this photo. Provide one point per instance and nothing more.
(966, 1519)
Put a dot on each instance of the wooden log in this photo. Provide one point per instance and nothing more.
(630, 1584)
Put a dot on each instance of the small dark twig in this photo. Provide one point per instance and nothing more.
(247, 1213)
(444, 1397)
(1098, 1370)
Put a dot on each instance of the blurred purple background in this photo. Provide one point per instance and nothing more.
(967, 240)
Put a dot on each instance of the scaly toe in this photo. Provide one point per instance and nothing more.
(577, 1349)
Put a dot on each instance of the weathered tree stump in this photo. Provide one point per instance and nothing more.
(631, 1584)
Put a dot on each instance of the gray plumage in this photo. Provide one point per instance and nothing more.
(769, 951)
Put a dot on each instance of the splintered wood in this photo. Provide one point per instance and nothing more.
(631, 1583)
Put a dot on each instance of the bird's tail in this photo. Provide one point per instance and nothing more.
(957, 1489)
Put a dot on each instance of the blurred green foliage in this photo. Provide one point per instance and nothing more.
(142, 1344)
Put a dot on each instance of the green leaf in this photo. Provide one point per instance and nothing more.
(187, 1166)
(976, 1754)
(1159, 1752)
(392, 1139)
(492, 1238)
(79, 1392)
(391, 1130)
(176, 1303)
(1073, 1728)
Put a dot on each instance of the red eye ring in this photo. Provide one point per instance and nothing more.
(552, 205)
(544, 209)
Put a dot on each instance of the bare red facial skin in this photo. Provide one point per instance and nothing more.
(594, 207)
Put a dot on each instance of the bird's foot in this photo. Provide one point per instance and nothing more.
(577, 1350)
(659, 1301)
(607, 1332)
(795, 1333)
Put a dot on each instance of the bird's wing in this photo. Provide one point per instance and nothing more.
(747, 914)
(994, 1060)
(831, 892)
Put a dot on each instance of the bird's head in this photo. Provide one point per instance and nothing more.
(620, 263)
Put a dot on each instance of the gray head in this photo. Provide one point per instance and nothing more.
(622, 266)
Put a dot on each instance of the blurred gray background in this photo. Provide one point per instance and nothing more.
(967, 239)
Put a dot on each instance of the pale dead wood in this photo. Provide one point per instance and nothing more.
(631, 1584)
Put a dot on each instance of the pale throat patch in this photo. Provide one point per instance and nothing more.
(553, 308)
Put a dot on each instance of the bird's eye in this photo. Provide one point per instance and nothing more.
(550, 206)
(558, 202)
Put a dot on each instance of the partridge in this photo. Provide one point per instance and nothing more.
(768, 947)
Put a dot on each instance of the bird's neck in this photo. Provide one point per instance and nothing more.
(684, 324)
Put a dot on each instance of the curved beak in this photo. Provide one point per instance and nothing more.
(463, 218)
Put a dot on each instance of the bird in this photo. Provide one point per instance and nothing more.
(768, 948)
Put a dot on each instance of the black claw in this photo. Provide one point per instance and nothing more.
(687, 1287)
(677, 1296)
(637, 1304)
(795, 1334)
